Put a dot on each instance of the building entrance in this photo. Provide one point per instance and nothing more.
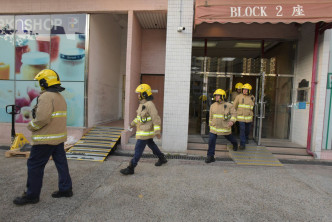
(271, 88)
(273, 107)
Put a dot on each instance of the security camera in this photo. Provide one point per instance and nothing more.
(181, 28)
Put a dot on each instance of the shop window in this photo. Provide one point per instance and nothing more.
(303, 91)
(30, 43)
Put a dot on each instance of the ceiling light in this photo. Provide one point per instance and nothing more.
(247, 45)
(228, 59)
(202, 44)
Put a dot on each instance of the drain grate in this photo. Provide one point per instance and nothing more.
(170, 156)
(201, 158)
(307, 162)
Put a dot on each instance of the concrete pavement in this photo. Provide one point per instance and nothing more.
(182, 190)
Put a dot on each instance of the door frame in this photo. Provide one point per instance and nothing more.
(259, 109)
(260, 104)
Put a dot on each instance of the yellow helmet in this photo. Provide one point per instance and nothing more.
(203, 98)
(220, 92)
(144, 90)
(47, 78)
(238, 85)
(248, 87)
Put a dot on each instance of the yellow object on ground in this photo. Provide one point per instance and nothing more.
(19, 141)
(96, 144)
(254, 155)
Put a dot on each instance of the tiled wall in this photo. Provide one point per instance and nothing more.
(327, 133)
(320, 97)
(177, 75)
(303, 70)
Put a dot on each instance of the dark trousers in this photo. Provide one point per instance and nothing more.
(139, 148)
(244, 132)
(39, 156)
(236, 128)
(213, 139)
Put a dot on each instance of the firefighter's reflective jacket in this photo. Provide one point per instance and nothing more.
(147, 121)
(234, 95)
(50, 123)
(244, 105)
(220, 115)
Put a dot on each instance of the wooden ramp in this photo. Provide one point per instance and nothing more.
(254, 155)
(96, 144)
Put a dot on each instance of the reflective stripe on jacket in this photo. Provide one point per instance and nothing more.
(50, 124)
(147, 121)
(244, 106)
(220, 115)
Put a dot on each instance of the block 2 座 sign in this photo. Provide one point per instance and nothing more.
(211, 11)
(265, 11)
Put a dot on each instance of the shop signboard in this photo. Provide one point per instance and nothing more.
(31, 43)
(223, 11)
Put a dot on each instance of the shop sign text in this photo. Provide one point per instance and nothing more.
(31, 24)
(262, 11)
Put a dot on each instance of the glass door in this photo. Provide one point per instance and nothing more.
(259, 108)
(273, 107)
(211, 82)
(277, 107)
(207, 75)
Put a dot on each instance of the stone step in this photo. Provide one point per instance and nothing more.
(288, 151)
(221, 154)
(200, 149)
(204, 146)
(293, 157)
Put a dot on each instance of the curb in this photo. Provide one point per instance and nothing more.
(193, 157)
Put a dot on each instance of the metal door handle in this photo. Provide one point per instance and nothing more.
(263, 116)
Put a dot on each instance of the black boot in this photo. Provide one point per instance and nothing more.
(23, 200)
(162, 160)
(128, 171)
(210, 159)
(235, 147)
(58, 194)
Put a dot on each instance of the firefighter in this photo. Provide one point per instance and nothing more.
(222, 117)
(147, 125)
(49, 132)
(244, 105)
(238, 91)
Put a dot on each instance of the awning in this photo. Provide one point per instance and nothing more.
(263, 11)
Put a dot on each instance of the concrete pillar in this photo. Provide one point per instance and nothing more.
(133, 70)
(177, 75)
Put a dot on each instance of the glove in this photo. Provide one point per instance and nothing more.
(130, 129)
(230, 123)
